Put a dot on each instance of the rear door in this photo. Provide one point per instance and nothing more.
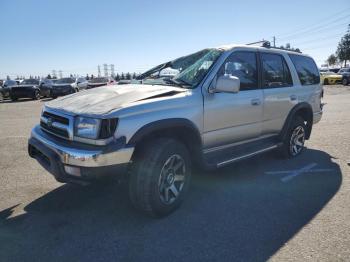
(280, 95)
(233, 117)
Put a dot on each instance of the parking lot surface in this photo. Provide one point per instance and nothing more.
(259, 209)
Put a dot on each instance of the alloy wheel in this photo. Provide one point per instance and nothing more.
(172, 179)
(297, 140)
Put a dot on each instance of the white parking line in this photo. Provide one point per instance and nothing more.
(290, 174)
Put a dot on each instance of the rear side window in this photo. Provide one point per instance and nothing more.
(275, 71)
(306, 69)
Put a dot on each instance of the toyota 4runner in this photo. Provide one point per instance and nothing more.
(219, 106)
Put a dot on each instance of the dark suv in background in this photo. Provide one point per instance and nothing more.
(29, 88)
(345, 72)
(68, 85)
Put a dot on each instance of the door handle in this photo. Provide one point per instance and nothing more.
(293, 97)
(255, 102)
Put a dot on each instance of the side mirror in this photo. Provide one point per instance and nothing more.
(227, 84)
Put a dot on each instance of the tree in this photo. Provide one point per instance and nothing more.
(331, 60)
(87, 77)
(49, 76)
(128, 76)
(343, 50)
(122, 77)
(117, 77)
(134, 75)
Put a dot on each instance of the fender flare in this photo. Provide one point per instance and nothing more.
(163, 124)
(292, 113)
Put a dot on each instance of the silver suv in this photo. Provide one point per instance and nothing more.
(220, 106)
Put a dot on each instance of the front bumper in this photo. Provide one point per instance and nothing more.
(68, 160)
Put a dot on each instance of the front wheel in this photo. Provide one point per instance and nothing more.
(293, 144)
(160, 177)
(36, 95)
(345, 81)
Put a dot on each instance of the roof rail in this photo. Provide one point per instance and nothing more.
(267, 44)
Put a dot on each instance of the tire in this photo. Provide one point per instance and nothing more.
(13, 99)
(293, 144)
(325, 82)
(1, 97)
(36, 95)
(160, 177)
(345, 81)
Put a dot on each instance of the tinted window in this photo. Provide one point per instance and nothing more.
(306, 69)
(30, 82)
(99, 80)
(65, 81)
(275, 71)
(243, 66)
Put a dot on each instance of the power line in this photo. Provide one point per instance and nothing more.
(318, 39)
(313, 31)
(322, 21)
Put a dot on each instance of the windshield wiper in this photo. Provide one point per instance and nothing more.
(182, 83)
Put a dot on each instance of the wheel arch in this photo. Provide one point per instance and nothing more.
(303, 110)
(178, 128)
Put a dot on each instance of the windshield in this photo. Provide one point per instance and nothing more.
(67, 80)
(30, 82)
(187, 71)
(99, 80)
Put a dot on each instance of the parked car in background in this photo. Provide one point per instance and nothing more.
(45, 86)
(345, 72)
(124, 82)
(6, 87)
(29, 88)
(68, 85)
(101, 81)
(330, 78)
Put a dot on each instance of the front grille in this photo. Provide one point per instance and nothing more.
(55, 124)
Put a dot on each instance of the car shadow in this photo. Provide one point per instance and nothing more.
(239, 213)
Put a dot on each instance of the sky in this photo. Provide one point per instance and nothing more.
(38, 36)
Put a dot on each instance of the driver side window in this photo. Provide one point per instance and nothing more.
(243, 65)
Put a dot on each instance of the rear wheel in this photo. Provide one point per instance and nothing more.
(293, 143)
(345, 81)
(160, 177)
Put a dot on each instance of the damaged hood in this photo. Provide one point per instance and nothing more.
(103, 100)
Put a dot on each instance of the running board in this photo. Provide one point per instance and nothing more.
(238, 158)
(228, 155)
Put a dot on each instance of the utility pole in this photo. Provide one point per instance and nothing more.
(274, 41)
(112, 70)
(105, 69)
(98, 71)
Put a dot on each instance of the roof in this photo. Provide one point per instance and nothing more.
(255, 47)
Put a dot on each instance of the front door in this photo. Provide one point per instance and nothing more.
(235, 117)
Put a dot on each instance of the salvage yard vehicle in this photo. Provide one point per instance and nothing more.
(345, 72)
(68, 85)
(225, 104)
(29, 88)
(7, 87)
(101, 81)
(330, 78)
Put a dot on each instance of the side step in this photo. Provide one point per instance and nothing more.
(236, 153)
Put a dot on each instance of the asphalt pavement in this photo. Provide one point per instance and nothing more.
(264, 208)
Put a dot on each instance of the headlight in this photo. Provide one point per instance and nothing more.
(87, 127)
